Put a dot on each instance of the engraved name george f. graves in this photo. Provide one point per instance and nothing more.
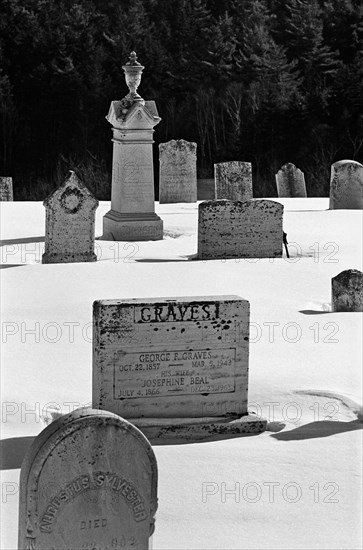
(89, 481)
(172, 358)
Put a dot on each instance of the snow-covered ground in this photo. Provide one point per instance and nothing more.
(296, 487)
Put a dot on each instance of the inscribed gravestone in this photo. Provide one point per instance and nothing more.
(171, 357)
(347, 291)
(346, 185)
(70, 223)
(178, 171)
(240, 229)
(89, 481)
(6, 189)
(290, 181)
(233, 180)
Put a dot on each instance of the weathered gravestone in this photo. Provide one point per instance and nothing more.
(290, 181)
(347, 291)
(6, 189)
(89, 481)
(132, 216)
(70, 223)
(240, 229)
(177, 368)
(178, 171)
(233, 180)
(346, 185)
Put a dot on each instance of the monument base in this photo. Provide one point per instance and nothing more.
(63, 258)
(164, 431)
(132, 227)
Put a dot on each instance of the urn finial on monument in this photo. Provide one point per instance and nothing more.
(133, 70)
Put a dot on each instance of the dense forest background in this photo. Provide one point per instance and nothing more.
(264, 81)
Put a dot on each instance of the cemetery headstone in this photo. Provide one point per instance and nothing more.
(233, 180)
(346, 185)
(205, 189)
(178, 171)
(174, 367)
(290, 181)
(89, 480)
(347, 291)
(132, 216)
(6, 189)
(70, 223)
(240, 229)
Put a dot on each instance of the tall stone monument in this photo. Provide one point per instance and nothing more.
(132, 216)
(290, 181)
(89, 480)
(346, 185)
(178, 171)
(233, 180)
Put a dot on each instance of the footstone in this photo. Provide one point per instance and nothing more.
(240, 229)
(178, 171)
(70, 223)
(290, 181)
(132, 216)
(347, 291)
(233, 180)
(89, 480)
(346, 185)
(176, 368)
(6, 189)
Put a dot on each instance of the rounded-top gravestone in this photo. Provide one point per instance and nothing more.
(347, 291)
(346, 185)
(290, 181)
(89, 481)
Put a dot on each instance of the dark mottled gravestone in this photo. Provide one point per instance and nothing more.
(70, 223)
(178, 171)
(240, 229)
(233, 180)
(346, 185)
(347, 291)
(174, 367)
(89, 481)
(6, 189)
(290, 181)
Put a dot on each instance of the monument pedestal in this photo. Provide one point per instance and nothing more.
(132, 227)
